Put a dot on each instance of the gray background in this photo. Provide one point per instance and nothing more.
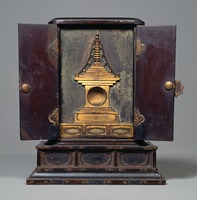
(177, 161)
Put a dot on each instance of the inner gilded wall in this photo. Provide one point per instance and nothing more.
(75, 49)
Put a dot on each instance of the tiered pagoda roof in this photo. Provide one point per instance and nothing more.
(97, 72)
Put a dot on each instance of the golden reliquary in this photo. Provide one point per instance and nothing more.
(96, 90)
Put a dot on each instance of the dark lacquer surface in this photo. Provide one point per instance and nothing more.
(97, 21)
(38, 66)
(154, 66)
(76, 163)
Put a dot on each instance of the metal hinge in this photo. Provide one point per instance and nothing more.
(178, 88)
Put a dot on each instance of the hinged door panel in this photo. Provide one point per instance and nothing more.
(39, 90)
(155, 65)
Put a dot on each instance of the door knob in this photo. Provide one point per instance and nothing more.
(25, 88)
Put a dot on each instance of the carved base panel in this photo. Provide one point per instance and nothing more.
(96, 162)
(106, 130)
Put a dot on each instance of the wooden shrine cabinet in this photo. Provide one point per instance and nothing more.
(95, 90)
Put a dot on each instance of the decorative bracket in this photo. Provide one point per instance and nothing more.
(54, 47)
(54, 117)
(138, 117)
(140, 47)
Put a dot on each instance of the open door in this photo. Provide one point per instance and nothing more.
(155, 65)
(39, 89)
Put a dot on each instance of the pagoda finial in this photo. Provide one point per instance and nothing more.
(97, 60)
(97, 48)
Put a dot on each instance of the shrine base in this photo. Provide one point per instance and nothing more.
(121, 162)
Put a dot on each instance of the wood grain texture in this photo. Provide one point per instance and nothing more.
(154, 66)
(38, 67)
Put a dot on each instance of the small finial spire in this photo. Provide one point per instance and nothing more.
(97, 36)
(97, 54)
